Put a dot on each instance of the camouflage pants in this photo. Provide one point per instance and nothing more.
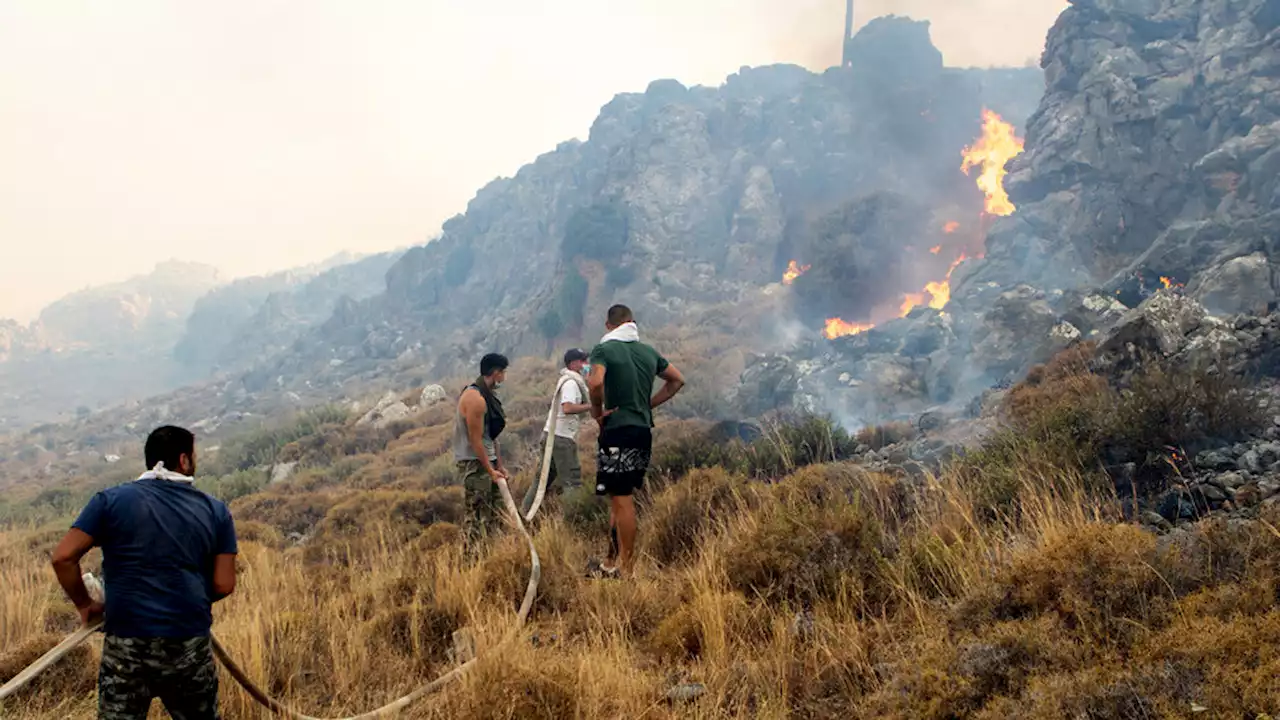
(483, 501)
(179, 671)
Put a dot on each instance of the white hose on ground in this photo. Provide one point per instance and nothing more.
(553, 416)
(270, 703)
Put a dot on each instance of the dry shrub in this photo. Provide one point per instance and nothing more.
(681, 516)
(74, 675)
(1181, 408)
(936, 676)
(878, 437)
(287, 512)
(1063, 383)
(1098, 580)
(437, 536)
(1113, 691)
(1231, 665)
(798, 552)
(686, 445)
(1219, 550)
(524, 682)
(259, 532)
(420, 633)
(400, 514)
(709, 624)
(584, 511)
(505, 571)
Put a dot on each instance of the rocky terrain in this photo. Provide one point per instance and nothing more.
(82, 351)
(682, 198)
(178, 325)
(1149, 163)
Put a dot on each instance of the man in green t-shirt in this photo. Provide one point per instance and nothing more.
(622, 374)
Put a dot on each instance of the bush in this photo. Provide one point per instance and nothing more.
(236, 485)
(878, 437)
(681, 517)
(598, 232)
(799, 553)
(263, 446)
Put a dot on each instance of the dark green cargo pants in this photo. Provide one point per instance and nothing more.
(483, 501)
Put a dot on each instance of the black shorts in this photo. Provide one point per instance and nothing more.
(623, 460)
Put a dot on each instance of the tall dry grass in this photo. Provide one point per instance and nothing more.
(778, 580)
(835, 592)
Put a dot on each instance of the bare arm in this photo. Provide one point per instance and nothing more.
(595, 389)
(473, 407)
(575, 408)
(66, 565)
(674, 381)
(224, 576)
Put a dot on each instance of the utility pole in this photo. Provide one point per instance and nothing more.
(848, 33)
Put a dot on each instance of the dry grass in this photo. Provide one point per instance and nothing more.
(832, 592)
(787, 583)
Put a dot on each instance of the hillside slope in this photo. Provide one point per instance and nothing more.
(679, 199)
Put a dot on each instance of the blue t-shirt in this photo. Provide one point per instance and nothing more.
(158, 540)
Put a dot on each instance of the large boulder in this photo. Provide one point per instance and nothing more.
(1019, 330)
(1159, 327)
(1240, 285)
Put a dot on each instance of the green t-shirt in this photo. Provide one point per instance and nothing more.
(629, 370)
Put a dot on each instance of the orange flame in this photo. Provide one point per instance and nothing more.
(998, 144)
(839, 328)
(939, 292)
(951, 227)
(793, 271)
(1168, 283)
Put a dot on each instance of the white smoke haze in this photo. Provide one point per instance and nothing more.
(261, 134)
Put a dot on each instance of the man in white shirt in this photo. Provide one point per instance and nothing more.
(564, 452)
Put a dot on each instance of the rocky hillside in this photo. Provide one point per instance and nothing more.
(1151, 162)
(250, 319)
(151, 334)
(85, 349)
(681, 198)
(1154, 153)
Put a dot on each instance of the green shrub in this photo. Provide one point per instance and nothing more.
(235, 485)
(597, 232)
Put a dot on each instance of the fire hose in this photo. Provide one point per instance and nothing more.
(260, 696)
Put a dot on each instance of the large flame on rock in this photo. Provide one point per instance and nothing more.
(997, 146)
(793, 271)
(839, 328)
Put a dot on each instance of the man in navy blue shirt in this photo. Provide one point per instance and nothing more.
(168, 554)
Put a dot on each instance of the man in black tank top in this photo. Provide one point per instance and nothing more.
(479, 421)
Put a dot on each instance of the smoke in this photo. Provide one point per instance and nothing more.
(259, 135)
(970, 33)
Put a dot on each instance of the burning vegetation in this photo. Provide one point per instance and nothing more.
(997, 145)
(793, 271)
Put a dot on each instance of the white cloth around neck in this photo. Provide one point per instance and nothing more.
(626, 332)
(160, 473)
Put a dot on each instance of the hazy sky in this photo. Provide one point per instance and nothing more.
(260, 134)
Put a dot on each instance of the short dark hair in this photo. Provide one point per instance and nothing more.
(492, 362)
(619, 314)
(167, 444)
